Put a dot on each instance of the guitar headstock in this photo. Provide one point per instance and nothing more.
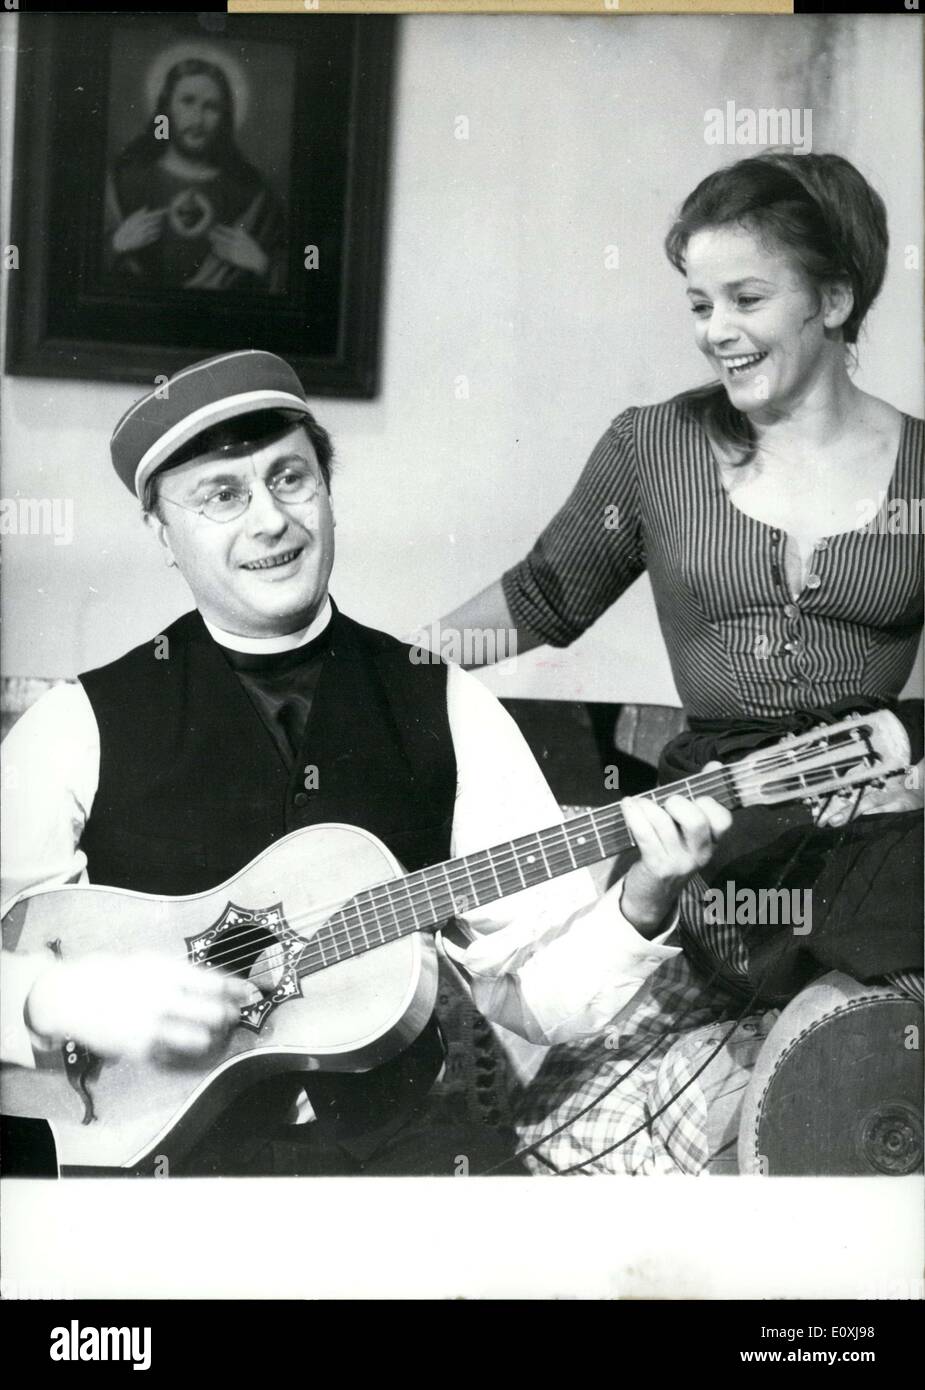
(833, 758)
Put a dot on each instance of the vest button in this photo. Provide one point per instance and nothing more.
(300, 799)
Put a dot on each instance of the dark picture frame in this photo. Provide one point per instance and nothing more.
(74, 308)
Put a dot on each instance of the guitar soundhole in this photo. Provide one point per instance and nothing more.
(245, 949)
(258, 945)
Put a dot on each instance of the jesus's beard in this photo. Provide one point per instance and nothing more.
(201, 151)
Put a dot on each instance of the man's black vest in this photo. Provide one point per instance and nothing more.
(192, 784)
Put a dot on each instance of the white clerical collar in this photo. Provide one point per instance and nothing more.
(261, 646)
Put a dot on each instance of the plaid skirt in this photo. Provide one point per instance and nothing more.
(662, 1088)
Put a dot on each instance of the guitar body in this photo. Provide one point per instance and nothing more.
(351, 1016)
(347, 976)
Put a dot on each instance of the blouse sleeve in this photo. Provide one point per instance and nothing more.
(590, 552)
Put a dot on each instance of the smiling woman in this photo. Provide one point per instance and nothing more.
(743, 498)
(780, 604)
(805, 241)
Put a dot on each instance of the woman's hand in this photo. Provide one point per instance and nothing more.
(137, 1006)
(675, 840)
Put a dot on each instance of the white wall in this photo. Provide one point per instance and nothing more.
(584, 133)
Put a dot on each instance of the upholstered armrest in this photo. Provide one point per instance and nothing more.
(837, 1088)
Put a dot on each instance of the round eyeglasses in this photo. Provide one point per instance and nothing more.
(290, 488)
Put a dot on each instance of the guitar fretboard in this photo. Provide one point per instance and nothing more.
(426, 899)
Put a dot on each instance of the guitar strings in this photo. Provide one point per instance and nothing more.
(597, 817)
(624, 1075)
(350, 938)
(379, 894)
(605, 818)
(352, 935)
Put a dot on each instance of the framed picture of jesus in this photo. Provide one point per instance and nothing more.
(189, 184)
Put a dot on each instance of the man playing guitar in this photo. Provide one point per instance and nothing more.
(265, 710)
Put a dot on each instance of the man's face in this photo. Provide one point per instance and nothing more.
(264, 574)
(195, 113)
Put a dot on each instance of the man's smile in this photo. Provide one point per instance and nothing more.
(273, 562)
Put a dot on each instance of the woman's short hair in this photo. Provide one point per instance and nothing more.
(817, 206)
(821, 210)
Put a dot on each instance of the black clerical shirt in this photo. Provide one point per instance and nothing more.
(281, 686)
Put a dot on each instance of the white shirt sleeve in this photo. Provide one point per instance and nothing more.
(555, 962)
(49, 773)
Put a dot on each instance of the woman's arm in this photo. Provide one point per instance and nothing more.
(485, 629)
(581, 563)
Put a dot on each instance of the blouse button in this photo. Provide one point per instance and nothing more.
(791, 610)
(301, 799)
(813, 581)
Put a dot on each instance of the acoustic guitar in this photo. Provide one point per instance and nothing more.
(340, 944)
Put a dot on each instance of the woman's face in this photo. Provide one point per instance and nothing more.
(757, 317)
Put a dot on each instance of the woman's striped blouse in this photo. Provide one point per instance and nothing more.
(740, 643)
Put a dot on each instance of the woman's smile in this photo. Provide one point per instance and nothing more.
(738, 366)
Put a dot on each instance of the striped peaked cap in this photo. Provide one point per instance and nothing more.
(193, 400)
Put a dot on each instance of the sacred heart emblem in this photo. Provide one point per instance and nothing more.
(190, 213)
